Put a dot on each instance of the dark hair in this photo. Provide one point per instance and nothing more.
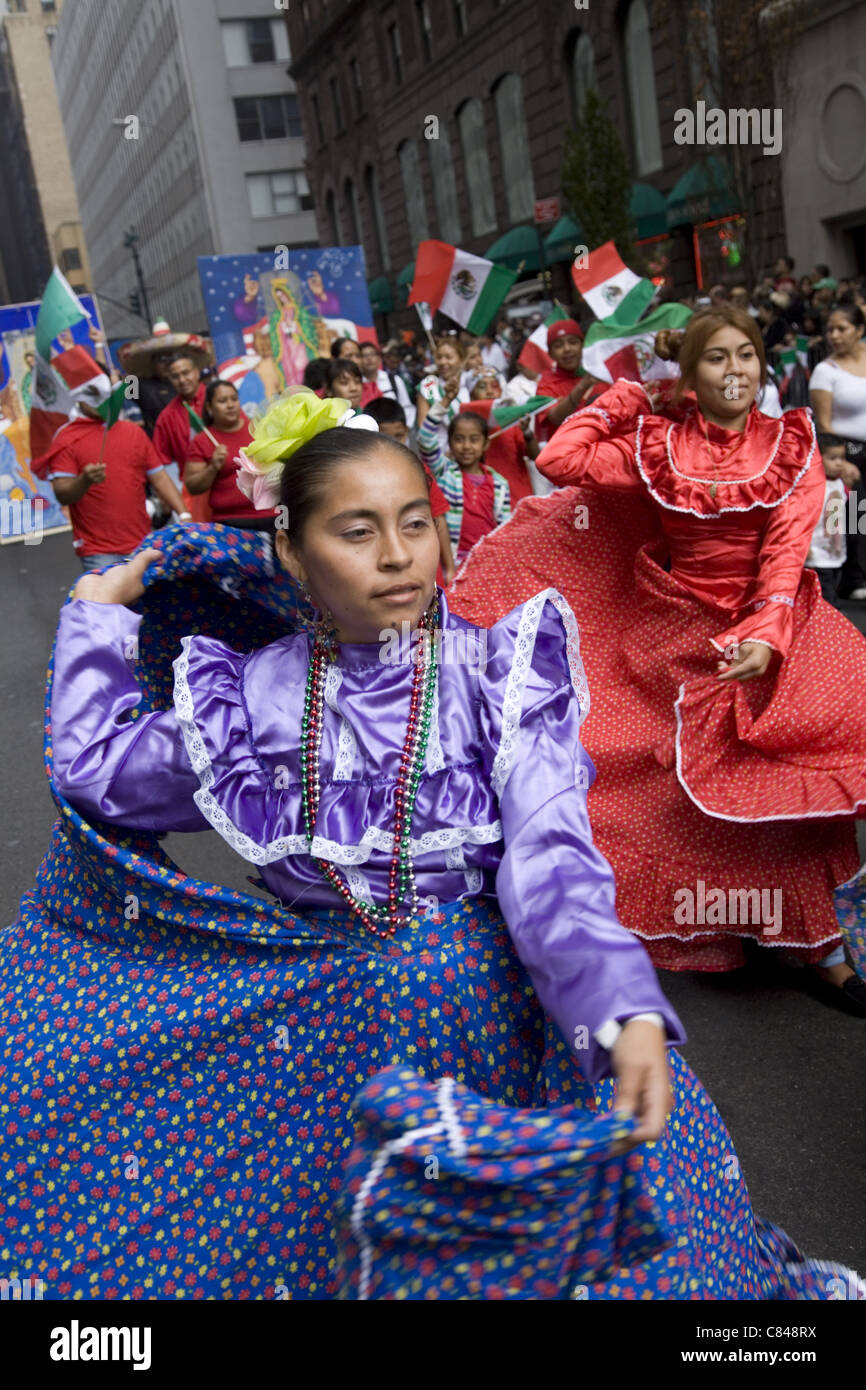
(385, 411)
(789, 260)
(853, 312)
(337, 345)
(830, 441)
(343, 366)
(210, 392)
(823, 271)
(181, 356)
(316, 373)
(308, 471)
(468, 415)
(374, 346)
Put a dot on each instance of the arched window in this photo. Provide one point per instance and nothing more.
(642, 89)
(413, 191)
(582, 71)
(444, 185)
(333, 234)
(371, 189)
(350, 199)
(482, 206)
(513, 139)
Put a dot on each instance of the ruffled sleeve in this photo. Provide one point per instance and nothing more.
(555, 889)
(109, 766)
(593, 446)
(793, 513)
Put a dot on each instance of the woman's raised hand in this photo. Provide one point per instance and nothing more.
(120, 584)
(643, 1088)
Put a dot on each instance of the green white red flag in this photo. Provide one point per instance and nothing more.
(469, 289)
(613, 292)
(612, 350)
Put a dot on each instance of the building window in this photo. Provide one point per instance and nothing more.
(350, 198)
(461, 19)
(48, 6)
(268, 118)
(444, 186)
(317, 117)
(374, 202)
(514, 143)
(336, 105)
(70, 258)
(248, 41)
(482, 205)
(276, 194)
(396, 52)
(422, 8)
(582, 71)
(646, 135)
(332, 226)
(413, 190)
(357, 86)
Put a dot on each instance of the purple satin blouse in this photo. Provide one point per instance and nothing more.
(501, 806)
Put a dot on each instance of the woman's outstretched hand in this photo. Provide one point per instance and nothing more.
(120, 584)
(752, 660)
(643, 1088)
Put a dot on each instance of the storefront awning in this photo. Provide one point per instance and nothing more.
(704, 192)
(647, 207)
(381, 298)
(561, 240)
(517, 249)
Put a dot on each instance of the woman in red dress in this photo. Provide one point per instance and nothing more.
(211, 466)
(728, 729)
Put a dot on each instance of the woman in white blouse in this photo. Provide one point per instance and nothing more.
(837, 391)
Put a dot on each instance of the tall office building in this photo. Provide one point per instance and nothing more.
(41, 224)
(183, 129)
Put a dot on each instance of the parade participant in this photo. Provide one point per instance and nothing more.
(827, 550)
(150, 360)
(212, 463)
(345, 381)
(478, 499)
(450, 358)
(346, 347)
(837, 392)
(391, 421)
(102, 475)
(563, 380)
(388, 382)
(507, 449)
(175, 428)
(417, 810)
(724, 801)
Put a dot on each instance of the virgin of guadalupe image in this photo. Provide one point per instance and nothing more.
(294, 337)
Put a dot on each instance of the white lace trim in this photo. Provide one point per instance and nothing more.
(595, 410)
(524, 647)
(347, 745)
(359, 884)
(435, 759)
(709, 516)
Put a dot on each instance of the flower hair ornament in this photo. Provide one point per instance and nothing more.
(292, 419)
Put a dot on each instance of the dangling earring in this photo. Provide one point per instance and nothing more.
(326, 634)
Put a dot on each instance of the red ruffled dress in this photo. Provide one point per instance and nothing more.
(725, 807)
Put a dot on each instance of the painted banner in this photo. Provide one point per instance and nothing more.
(272, 312)
(28, 507)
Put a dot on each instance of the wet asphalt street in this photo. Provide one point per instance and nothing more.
(786, 1071)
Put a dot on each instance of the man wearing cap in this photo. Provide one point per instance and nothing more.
(102, 475)
(565, 345)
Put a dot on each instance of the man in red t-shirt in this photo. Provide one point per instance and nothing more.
(106, 499)
(173, 431)
(562, 380)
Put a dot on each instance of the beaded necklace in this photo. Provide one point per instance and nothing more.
(381, 920)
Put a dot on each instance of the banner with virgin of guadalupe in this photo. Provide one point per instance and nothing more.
(272, 312)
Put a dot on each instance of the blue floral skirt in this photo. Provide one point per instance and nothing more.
(205, 1096)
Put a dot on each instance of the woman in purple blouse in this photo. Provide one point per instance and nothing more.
(413, 792)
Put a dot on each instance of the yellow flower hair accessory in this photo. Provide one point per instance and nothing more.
(289, 422)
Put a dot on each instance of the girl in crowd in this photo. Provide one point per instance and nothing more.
(212, 462)
(346, 382)
(413, 792)
(725, 799)
(507, 449)
(837, 390)
(478, 498)
(450, 357)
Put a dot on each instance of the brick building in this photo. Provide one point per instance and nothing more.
(496, 83)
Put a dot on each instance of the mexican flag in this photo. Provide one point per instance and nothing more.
(60, 308)
(467, 288)
(501, 415)
(613, 292)
(70, 377)
(534, 354)
(798, 355)
(112, 407)
(613, 349)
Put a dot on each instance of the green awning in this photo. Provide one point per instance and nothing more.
(407, 274)
(381, 298)
(517, 249)
(704, 192)
(647, 207)
(561, 240)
